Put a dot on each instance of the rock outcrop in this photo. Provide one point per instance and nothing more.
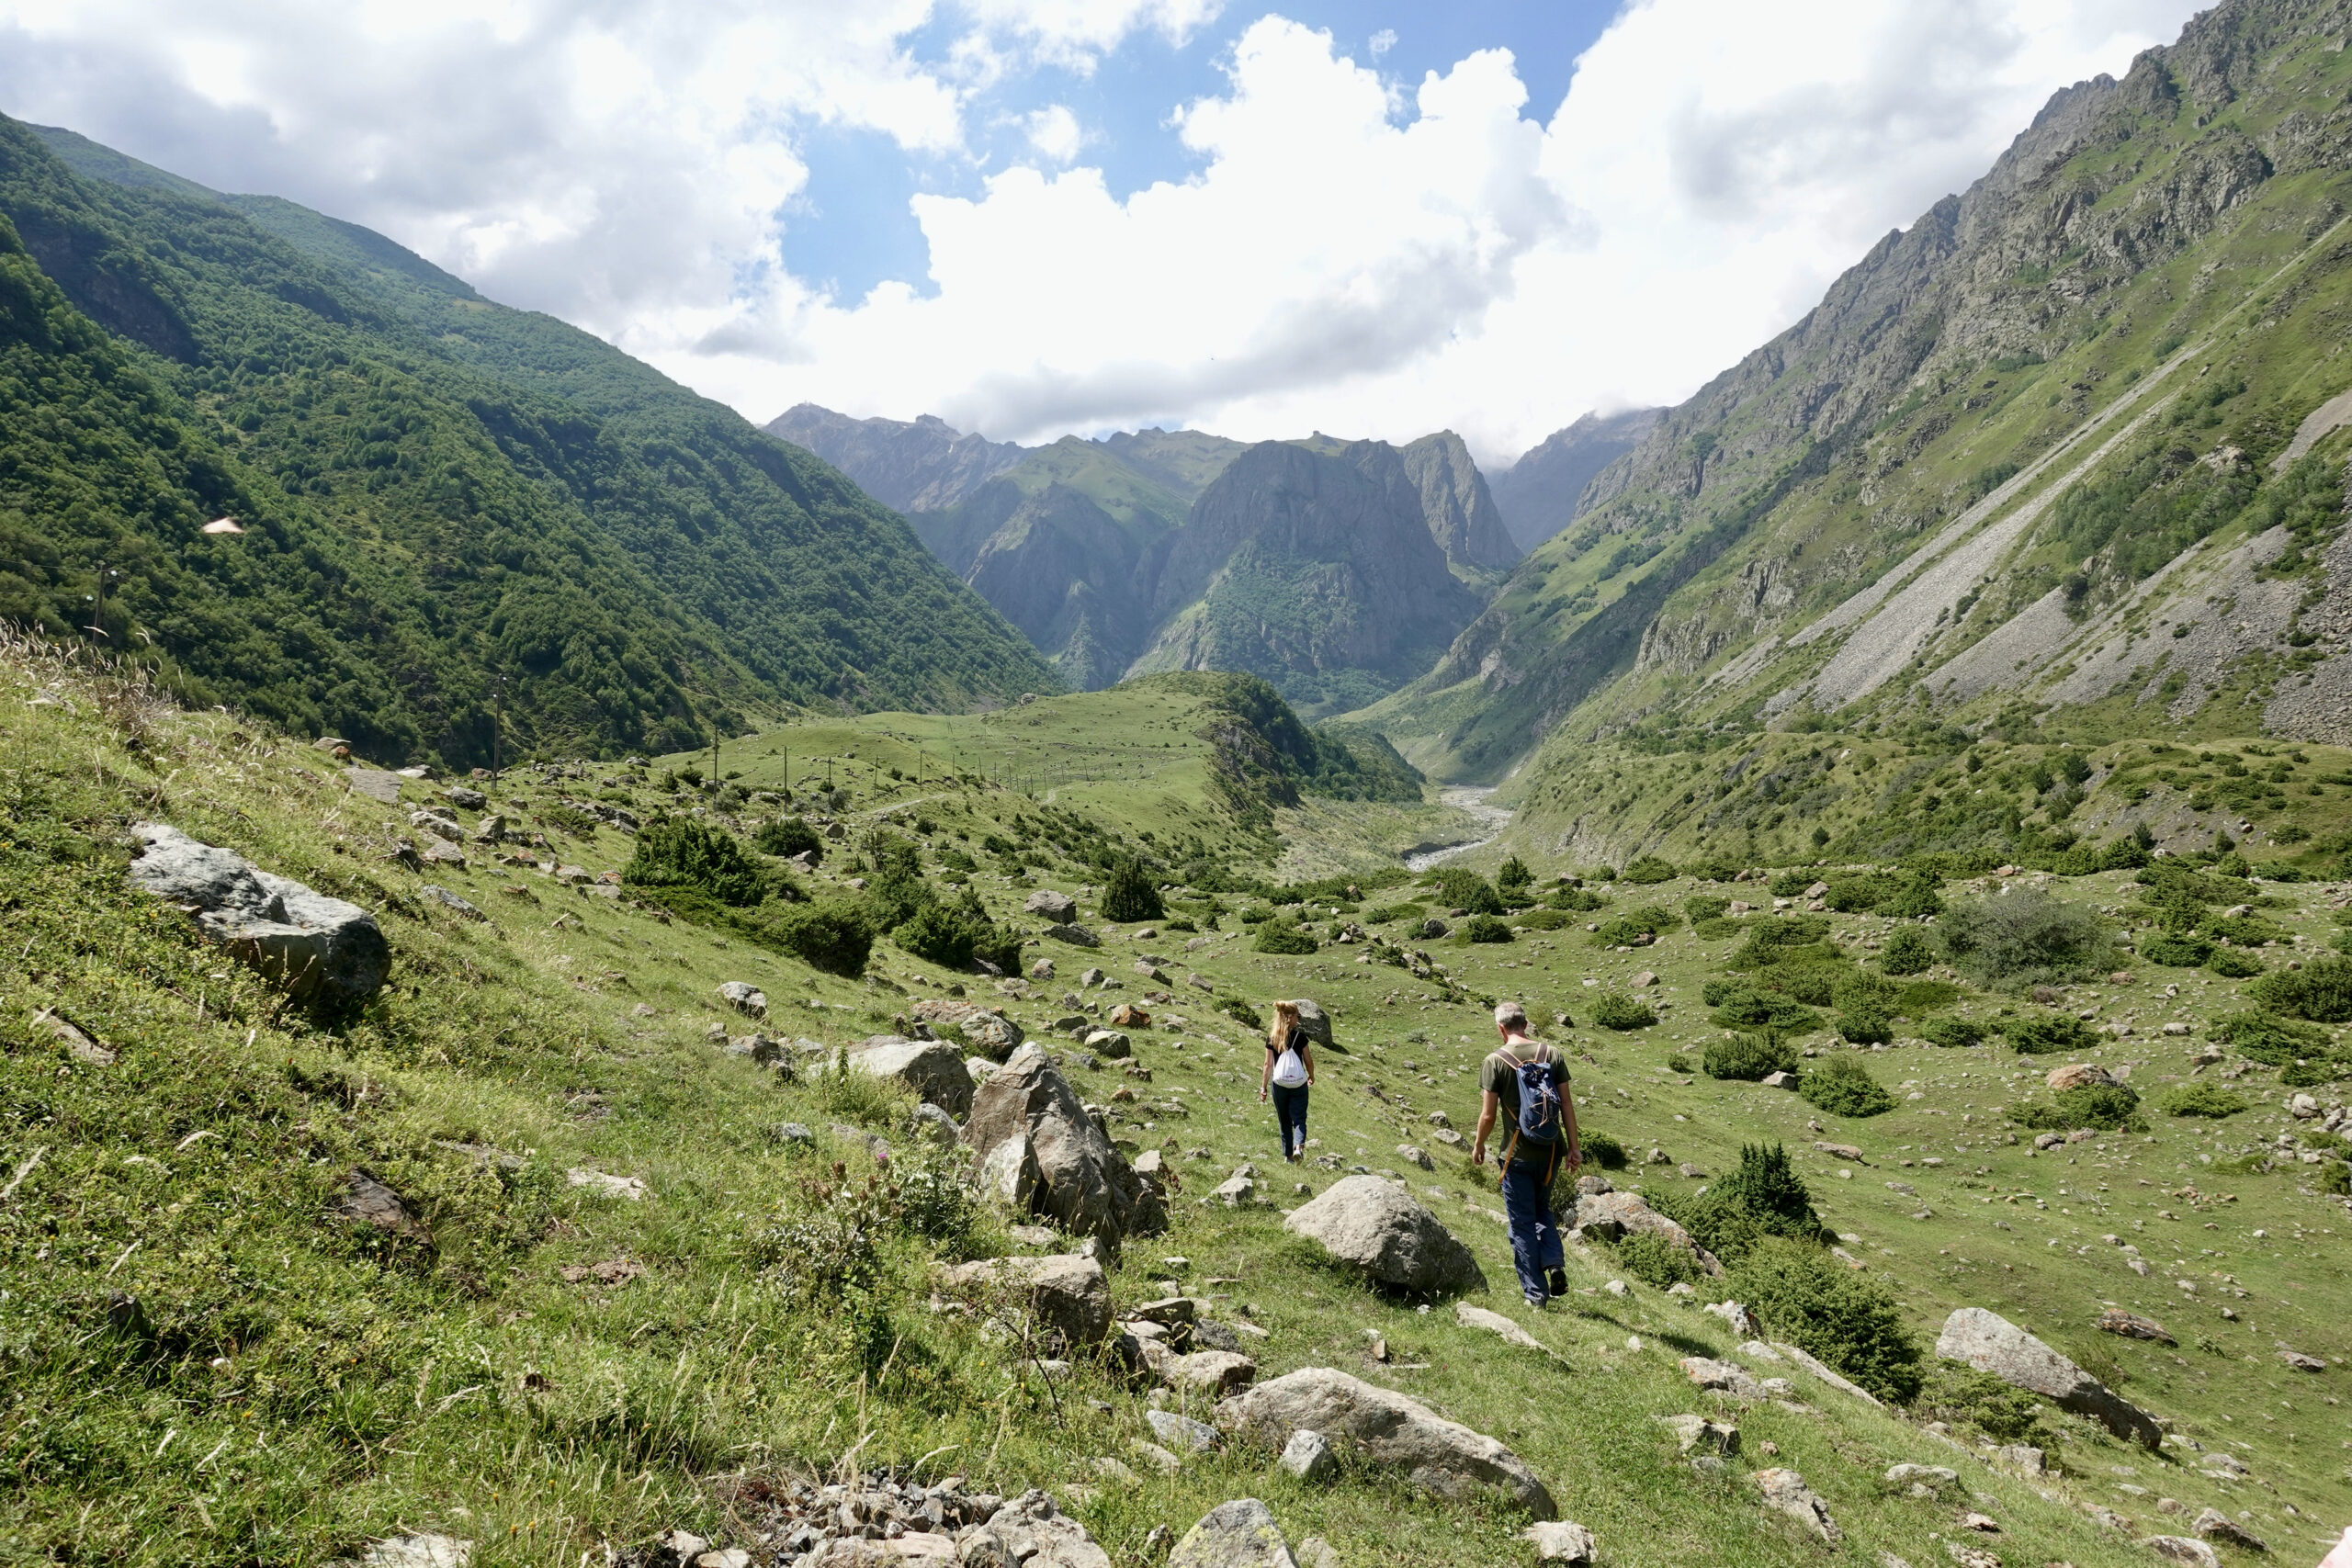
(1240, 1534)
(1374, 1227)
(1992, 1344)
(1066, 1294)
(1069, 1168)
(1440, 1457)
(933, 1069)
(1610, 1215)
(319, 949)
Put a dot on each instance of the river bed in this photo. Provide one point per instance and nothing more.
(1475, 802)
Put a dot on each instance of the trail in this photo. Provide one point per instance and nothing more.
(1472, 800)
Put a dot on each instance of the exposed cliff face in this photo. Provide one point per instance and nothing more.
(923, 466)
(1542, 493)
(1072, 578)
(1457, 505)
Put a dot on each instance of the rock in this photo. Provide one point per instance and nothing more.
(446, 829)
(933, 1069)
(2023, 1458)
(1413, 1154)
(2078, 1075)
(1309, 1457)
(631, 1188)
(1992, 1344)
(439, 853)
(1126, 1015)
(1042, 970)
(1217, 1374)
(2215, 1525)
(370, 1202)
(1363, 1222)
(1182, 1432)
(2298, 1362)
(1561, 1541)
(1725, 1377)
(491, 830)
(931, 1123)
(450, 900)
(744, 998)
(1076, 935)
(1240, 1534)
(1317, 1552)
(2185, 1549)
(1065, 1293)
(1081, 1179)
(1608, 1216)
(1734, 1314)
(2223, 1463)
(2131, 1325)
(1697, 1434)
(1057, 908)
(1647, 977)
(1935, 1477)
(1779, 1080)
(1236, 1190)
(1496, 1322)
(985, 1030)
(1440, 1457)
(1008, 1173)
(793, 1135)
(1786, 1490)
(465, 799)
(1314, 1021)
(418, 1552)
(1970, 1556)
(1841, 1151)
(320, 949)
(1449, 1137)
(1827, 1375)
(78, 1043)
(1109, 1043)
(1029, 1531)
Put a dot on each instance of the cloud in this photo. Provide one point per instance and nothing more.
(1383, 41)
(1055, 133)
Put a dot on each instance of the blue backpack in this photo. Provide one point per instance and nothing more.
(1539, 1096)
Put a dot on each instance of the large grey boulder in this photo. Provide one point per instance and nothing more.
(1065, 1293)
(1030, 1531)
(985, 1030)
(1057, 908)
(1440, 1457)
(1073, 1172)
(1370, 1225)
(1991, 1343)
(933, 1069)
(320, 949)
(1786, 1491)
(1240, 1534)
(1612, 1216)
(1313, 1021)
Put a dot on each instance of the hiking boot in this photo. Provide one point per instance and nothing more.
(1535, 1300)
(1559, 1281)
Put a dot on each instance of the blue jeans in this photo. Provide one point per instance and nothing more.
(1290, 1111)
(1534, 1232)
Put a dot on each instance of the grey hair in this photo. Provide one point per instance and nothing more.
(1510, 1015)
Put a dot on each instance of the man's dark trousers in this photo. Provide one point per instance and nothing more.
(1527, 1203)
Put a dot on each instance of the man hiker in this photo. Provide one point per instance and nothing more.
(1528, 1084)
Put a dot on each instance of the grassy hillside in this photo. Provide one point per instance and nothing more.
(204, 1364)
(436, 492)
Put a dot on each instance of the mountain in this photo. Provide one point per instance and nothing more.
(923, 466)
(1541, 494)
(2008, 466)
(1460, 509)
(436, 494)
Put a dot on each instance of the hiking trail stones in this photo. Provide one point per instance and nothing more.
(1240, 1534)
(320, 948)
(1440, 1457)
(1071, 1171)
(934, 1069)
(1363, 1222)
(1786, 1491)
(1992, 1344)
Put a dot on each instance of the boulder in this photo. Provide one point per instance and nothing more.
(1182, 1432)
(369, 1202)
(1109, 1043)
(1215, 1373)
(2298, 1362)
(1934, 1477)
(1081, 1179)
(1065, 1293)
(1309, 1456)
(1992, 1344)
(2185, 1549)
(1786, 1490)
(451, 902)
(1057, 908)
(1008, 1173)
(446, 829)
(1363, 1222)
(2131, 1325)
(1828, 1375)
(933, 1069)
(1696, 1433)
(1240, 1534)
(1609, 1216)
(1440, 1457)
(985, 1030)
(320, 949)
(744, 998)
(427, 1550)
(2215, 1525)
(465, 799)
(376, 785)
(1029, 1531)
(1074, 934)
(1561, 1541)
(1126, 1015)
(1496, 1322)
(1734, 1315)
(1314, 1021)
(1724, 1376)
(2078, 1075)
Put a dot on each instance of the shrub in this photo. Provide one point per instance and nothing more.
(1577, 900)
(2270, 1039)
(2043, 1034)
(1955, 1033)
(2105, 1107)
(2025, 936)
(1704, 907)
(1657, 1261)
(789, 835)
(1545, 919)
(1628, 928)
(827, 933)
(1954, 1393)
(1284, 936)
(1648, 869)
(1512, 877)
(1486, 928)
(2320, 991)
(1748, 1057)
(1614, 1010)
(1791, 884)
(1601, 1149)
(1130, 894)
(1866, 1021)
(1741, 1005)
(1768, 1189)
(1922, 996)
(1465, 889)
(1906, 952)
(2232, 964)
(678, 852)
(1715, 1221)
(2199, 1100)
(2176, 952)
(1800, 1295)
(953, 936)
(1843, 1087)
(2311, 1073)
(1715, 930)
(1240, 1012)
(1387, 912)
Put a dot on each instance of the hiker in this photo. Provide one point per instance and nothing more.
(1289, 1073)
(1528, 1084)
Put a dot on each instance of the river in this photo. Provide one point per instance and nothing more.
(1474, 802)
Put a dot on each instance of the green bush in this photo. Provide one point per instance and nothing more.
(2312, 1072)
(2267, 1038)
(1512, 877)
(1922, 996)
(1704, 907)
(2043, 1034)
(1748, 1057)
(1799, 1293)
(1241, 1012)
(1654, 1260)
(2199, 1100)
(1485, 927)
(2320, 991)
(1465, 889)
(1389, 912)
(830, 934)
(1131, 894)
(1628, 928)
(1902, 896)
(1843, 1087)
(2027, 936)
(2335, 1178)
(1866, 1021)
(1601, 1149)
(1906, 952)
(1650, 869)
(1543, 920)
(1739, 1005)
(1577, 900)
(678, 852)
(1765, 1187)
(1955, 1033)
(2235, 963)
(1284, 936)
(1716, 929)
(955, 935)
(1952, 1392)
(789, 835)
(2103, 1107)
(1614, 1010)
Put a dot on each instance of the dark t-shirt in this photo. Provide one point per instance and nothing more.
(1499, 1077)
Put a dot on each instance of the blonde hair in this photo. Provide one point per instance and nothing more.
(1285, 1020)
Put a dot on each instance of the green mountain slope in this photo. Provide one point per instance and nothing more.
(436, 492)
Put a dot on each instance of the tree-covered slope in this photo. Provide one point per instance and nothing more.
(436, 492)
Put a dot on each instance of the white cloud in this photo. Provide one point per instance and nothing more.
(1383, 41)
(1055, 133)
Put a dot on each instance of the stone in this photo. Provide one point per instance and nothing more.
(1236, 1190)
(1970, 1556)
(1057, 908)
(1828, 1375)
(936, 1125)
(1609, 1216)
(1109, 1043)
(1314, 1021)
(2131, 1325)
(2185, 1549)
(1066, 1294)
(1413, 1154)
(1496, 1322)
(1724, 1376)
(1786, 1491)
(1696, 1434)
(446, 829)
(1182, 1432)
(1008, 1173)
(1992, 1344)
(368, 1202)
(1240, 1534)
(744, 998)
(1734, 1315)
(1309, 1456)
(793, 1135)
(985, 1030)
(2215, 1525)
(1440, 1457)
(1080, 1177)
(373, 784)
(1779, 1080)
(631, 1188)
(440, 853)
(1317, 1552)
(1126, 1015)
(1030, 1531)
(450, 900)
(1217, 1374)
(1841, 1151)
(465, 799)
(1042, 970)
(79, 1043)
(933, 1069)
(1363, 1222)
(320, 949)
(1561, 1541)
(418, 1552)
(2024, 1458)
(1076, 935)
(2078, 1075)
(2298, 1362)
(1935, 1477)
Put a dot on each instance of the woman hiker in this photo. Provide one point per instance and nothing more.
(1527, 1084)
(1289, 1073)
